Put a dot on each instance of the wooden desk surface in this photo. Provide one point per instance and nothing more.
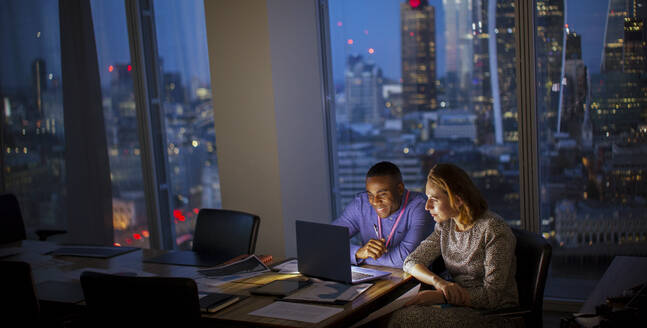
(47, 268)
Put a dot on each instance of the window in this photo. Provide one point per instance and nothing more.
(31, 122)
(162, 125)
(423, 82)
(592, 123)
(186, 100)
(130, 222)
(419, 82)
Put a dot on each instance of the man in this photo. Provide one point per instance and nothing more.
(390, 220)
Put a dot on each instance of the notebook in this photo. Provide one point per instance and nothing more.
(323, 251)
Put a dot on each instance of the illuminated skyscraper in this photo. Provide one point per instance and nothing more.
(493, 84)
(458, 50)
(418, 56)
(481, 87)
(549, 49)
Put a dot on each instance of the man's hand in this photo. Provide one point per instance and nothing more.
(454, 293)
(427, 297)
(373, 249)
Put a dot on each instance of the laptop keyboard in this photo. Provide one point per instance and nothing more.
(359, 275)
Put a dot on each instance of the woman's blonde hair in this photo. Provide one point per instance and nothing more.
(456, 183)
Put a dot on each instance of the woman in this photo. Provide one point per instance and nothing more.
(478, 249)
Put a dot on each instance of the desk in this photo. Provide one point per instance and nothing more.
(68, 269)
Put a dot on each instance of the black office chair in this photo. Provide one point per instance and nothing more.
(12, 227)
(18, 301)
(533, 257)
(114, 300)
(225, 232)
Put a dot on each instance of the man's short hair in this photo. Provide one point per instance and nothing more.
(385, 169)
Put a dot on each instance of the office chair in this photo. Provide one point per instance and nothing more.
(18, 301)
(533, 257)
(114, 300)
(12, 227)
(225, 232)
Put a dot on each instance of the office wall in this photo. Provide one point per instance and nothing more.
(270, 128)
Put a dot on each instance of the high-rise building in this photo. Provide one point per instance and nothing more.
(575, 89)
(363, 90)
(458, 51)
(481, 89)
(417, 19)
(549, 44)
(505, 106)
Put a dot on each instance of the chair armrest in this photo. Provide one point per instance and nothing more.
(43, 234)
(507, 312)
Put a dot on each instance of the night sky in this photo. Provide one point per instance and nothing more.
(182, 35)
(376, 24)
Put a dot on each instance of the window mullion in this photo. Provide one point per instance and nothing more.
(146, 84)
(527, 110)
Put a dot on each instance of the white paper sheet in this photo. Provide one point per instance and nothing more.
(290, 266)
(297, 311)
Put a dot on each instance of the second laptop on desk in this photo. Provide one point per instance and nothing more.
(323, 251)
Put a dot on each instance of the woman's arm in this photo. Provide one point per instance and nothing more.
(499, 258)
(453, 292)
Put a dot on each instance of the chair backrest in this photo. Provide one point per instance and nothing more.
(114, 300)
(12, 227)
(533, 257)
(225, 232)
(18, 300)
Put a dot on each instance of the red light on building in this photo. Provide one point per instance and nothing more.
(350, 41)
(339, 24)
(371, 51)
(137, 236)
(414, 3)
(196, 211)
(178, 215)
(130, 68)
(111, 68)
(410, 33)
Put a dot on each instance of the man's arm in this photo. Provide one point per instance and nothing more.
(421, 227)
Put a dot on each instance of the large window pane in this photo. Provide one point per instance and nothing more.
(592, 122)
(422, 82)
(186, 99)
(31, 121)
(120, 117)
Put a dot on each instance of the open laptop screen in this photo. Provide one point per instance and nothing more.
(323, 251)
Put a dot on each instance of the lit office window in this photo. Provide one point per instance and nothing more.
(31, 119)
(416, 88)
(592, 124)
(120, 118)
(186, 99)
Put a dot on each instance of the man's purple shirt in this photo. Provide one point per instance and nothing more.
(415, 225)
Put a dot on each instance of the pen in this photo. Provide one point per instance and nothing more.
(377, 234)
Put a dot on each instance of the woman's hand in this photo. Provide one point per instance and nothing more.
(427, 297)
(454, 293)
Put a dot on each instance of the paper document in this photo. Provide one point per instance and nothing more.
(290, 266)
(248, 267)
(250, 264)
(297, 311)
(395, 305)
(328, 292)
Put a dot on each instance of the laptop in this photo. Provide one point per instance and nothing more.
(323, 251)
